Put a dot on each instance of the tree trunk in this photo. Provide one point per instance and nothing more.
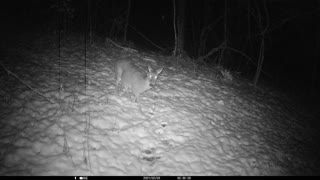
(262, 46)
(127, 22)
(180, 27)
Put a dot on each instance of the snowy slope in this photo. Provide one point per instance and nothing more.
(188, 125)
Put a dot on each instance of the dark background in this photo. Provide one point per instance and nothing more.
(291, 44)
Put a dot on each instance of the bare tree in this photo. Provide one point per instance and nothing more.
(90, 24)
(179, 29)
(206, 29)
(65, 12)
(127, 22)
(263, 32)
(175, 28)
(224, 45)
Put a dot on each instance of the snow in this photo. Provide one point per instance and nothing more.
(189, 124)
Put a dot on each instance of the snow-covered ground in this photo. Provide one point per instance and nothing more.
(70, 120)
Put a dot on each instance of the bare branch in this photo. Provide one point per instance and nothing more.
(213, 50)
(250, 59)
(148, 39)
(125, 48)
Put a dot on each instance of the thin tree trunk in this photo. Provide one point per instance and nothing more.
(260, 62)
(90, 21)
(181, 20)
(225, 31)
(175, 29)
(127, 22)
(262, 46)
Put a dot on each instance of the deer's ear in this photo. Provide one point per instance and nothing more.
(149, 68)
